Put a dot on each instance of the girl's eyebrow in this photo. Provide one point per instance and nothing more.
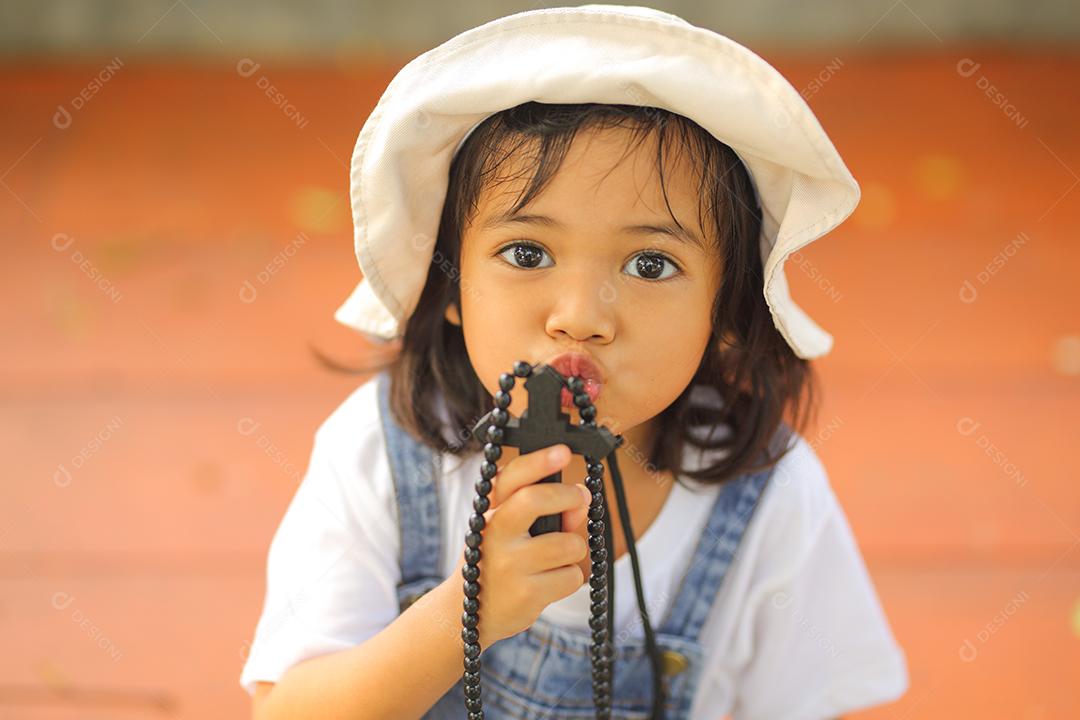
(681, 235)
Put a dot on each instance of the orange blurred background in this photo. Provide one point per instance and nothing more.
(178, 239)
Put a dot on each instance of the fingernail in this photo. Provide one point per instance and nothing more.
(585, 493)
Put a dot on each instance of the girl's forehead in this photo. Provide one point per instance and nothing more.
(591, 196)
(597, 161)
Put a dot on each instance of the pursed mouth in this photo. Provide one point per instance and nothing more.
(592, 388)
(579, 365)
(582, 366)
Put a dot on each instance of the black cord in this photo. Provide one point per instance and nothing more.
(628, 534)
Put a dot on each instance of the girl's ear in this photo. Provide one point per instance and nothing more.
(452, 315)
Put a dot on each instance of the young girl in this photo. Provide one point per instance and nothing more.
(613, 192)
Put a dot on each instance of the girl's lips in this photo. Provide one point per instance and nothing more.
(592, 388)
(575, 363)
(581, 365)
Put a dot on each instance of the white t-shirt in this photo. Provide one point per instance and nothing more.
(796, 630)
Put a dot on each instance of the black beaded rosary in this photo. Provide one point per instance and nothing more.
(544, 424)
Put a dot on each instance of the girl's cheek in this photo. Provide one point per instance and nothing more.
(499, 299)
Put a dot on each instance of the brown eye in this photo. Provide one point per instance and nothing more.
(526, 255)
(651, 266)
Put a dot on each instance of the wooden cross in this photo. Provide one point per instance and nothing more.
(544, 424)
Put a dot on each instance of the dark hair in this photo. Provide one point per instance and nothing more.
(747, 366)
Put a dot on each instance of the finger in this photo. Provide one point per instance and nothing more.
(537, 500)
(573, 519)
(552, 550)
(558, 583)
(527, 469)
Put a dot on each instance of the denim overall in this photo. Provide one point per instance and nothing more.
(545, 670)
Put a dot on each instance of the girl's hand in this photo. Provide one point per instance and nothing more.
(520, 575)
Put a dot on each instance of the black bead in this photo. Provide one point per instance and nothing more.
(588, 414)
(597, 623)
(595, 542)
(597, 582)
(473, 704)
(597, 499)
(593, 485)
(482, 487)
(472, 691)
(522, 369)
(596, 527)
(477, 523)
(481, 504)
(475, 715)
(502, 399)
(471, 678)
(596, 512)
(495, 434)
(500, 417)
(598, 608)
(472, 589)
(598, 595)
(575, 384)
(488, 470)
(472, 664)
(598, 555)
(492, 451)
(472, 650)
(473, 539)
(472, 555)
(507, 382)
(595, 470)
(469, 619)
(470, 635)
(470, 572)
(582, 400)
(471, 605)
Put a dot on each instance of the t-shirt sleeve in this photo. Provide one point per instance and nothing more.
(822, 645)
(331, 571)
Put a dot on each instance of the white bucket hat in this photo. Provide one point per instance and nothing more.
(593, 53)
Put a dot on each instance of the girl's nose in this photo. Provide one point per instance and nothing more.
(583, 307)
